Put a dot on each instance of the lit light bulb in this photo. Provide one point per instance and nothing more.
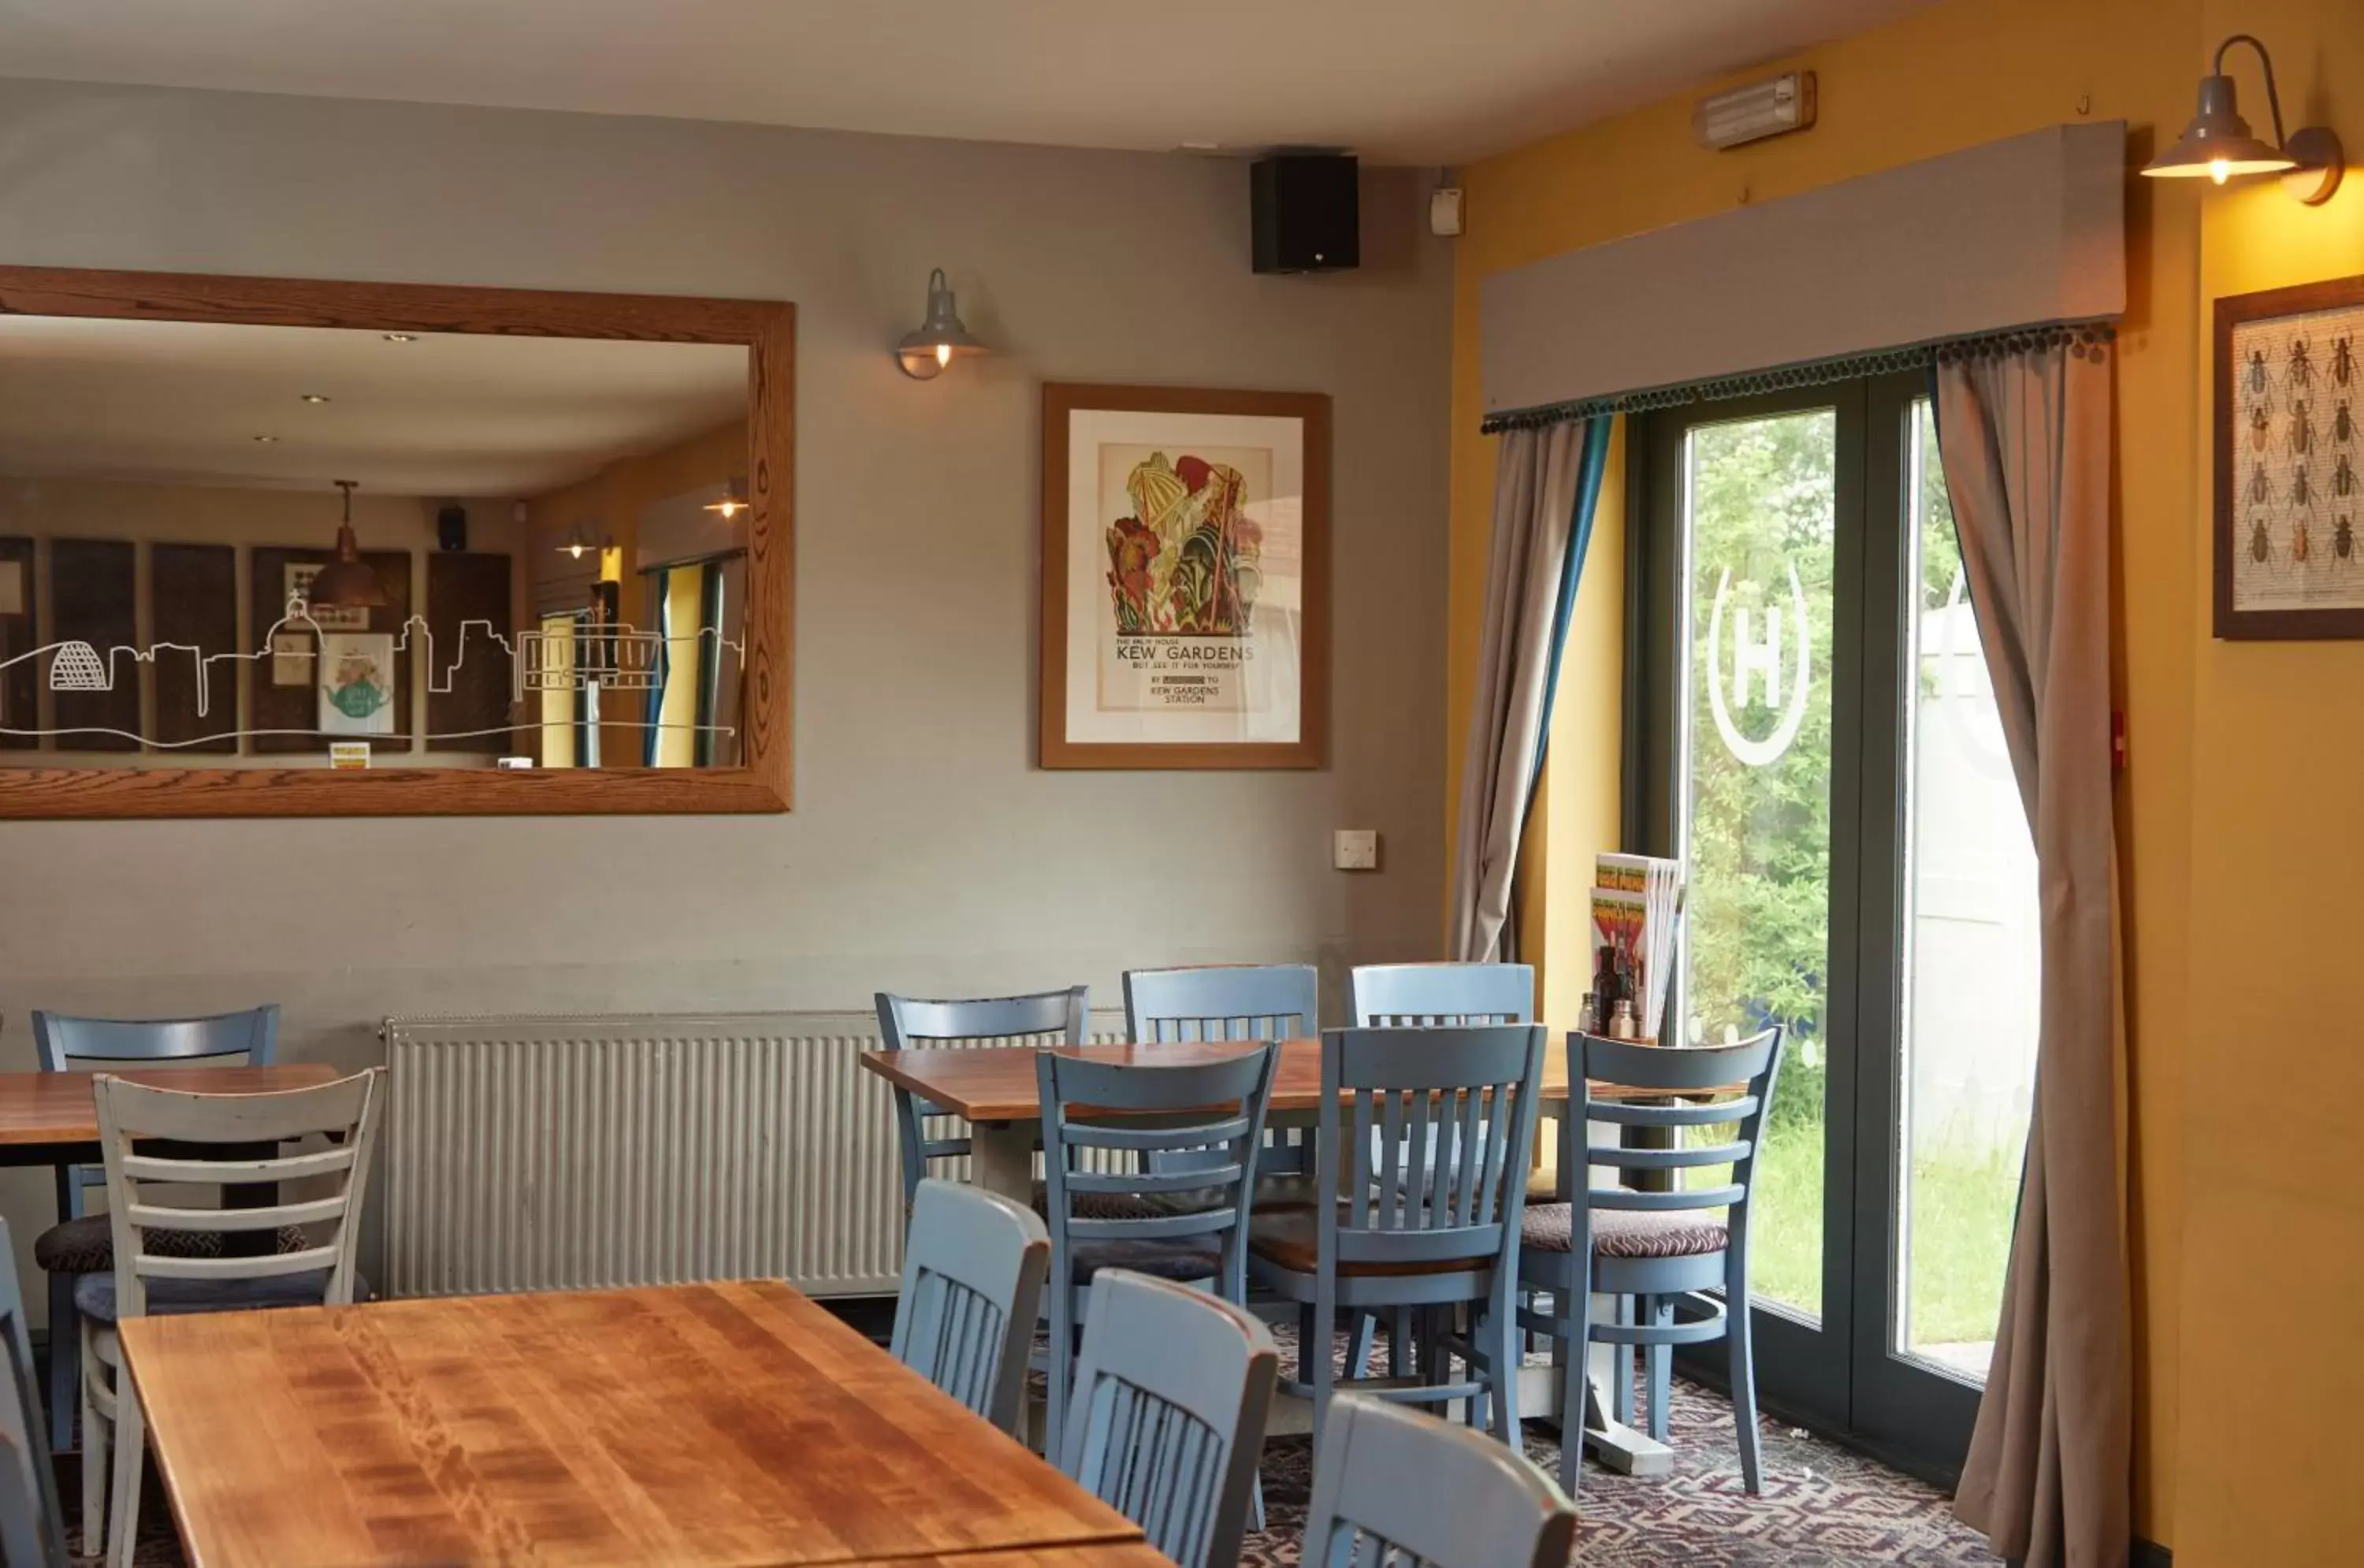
(575, 551)
(944, 354)
(2217, 169)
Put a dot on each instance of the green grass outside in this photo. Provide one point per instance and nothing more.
(1962, 1210)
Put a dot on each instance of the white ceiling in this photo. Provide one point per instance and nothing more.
(1400, 81)
(181, 403)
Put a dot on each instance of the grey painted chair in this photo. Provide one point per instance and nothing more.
(1168, 1414)
(974, 1264)
(1273, 1001)
(1654, 1247)
(1431, 996)
(32, 1529)
(1414, 996)
(1390, 1486)
(1047, 1017)
(1180, 1138)
(82, 1243)
(143, 1132)
(1431, 1162)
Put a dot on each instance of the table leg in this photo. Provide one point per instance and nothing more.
(1001, 1158)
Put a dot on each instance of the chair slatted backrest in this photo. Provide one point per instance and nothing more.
(973, 1269)
(70, 1044)
(927, 1133)
(1167, 1418)
(1383, 996)
(1390, 1486)
(144, 1131)
(32, 1529)
(1432, 1129)
(1667, 1074)
(1273, 1001)
(1120, 1129)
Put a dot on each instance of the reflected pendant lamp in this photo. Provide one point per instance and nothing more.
(347, 583)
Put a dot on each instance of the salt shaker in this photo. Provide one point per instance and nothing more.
(1622, 1025)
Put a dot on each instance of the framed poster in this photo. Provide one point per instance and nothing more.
(2290, 463)
(1186, 578)
(356, 683)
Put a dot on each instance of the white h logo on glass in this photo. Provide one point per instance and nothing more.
(1762, 661)
(1756, 658)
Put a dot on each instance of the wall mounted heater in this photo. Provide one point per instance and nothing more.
(1757, 111)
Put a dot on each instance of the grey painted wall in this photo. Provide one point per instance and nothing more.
(926, 852)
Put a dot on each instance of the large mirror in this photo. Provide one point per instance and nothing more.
(276, 547)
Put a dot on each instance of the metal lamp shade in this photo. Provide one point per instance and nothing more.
(941, 339)
(347, 583)
(2218, 142)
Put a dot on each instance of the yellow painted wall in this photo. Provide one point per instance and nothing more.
(2271, 1169)
(2234, 770)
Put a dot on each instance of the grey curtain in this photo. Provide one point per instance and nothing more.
(1544, 480)
(2025, 436)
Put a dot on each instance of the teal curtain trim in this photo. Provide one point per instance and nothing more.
(1593, 464)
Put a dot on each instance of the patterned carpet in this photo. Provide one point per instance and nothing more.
(1823, 1507)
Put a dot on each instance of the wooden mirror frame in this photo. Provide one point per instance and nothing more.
(765, 328)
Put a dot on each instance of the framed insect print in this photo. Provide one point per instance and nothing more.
(2290, 463)
(1186, 578)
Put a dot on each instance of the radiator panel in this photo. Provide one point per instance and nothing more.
(552, 1153)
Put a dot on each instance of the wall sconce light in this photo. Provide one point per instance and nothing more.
(732, 503)
(577, 544)
(2219, 144)
(941, 339)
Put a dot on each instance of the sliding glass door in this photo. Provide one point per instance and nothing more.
(1813, 729)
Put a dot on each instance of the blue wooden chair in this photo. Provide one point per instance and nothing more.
(81, 1243)
(1432, 995)
(1273, 1001)
(1654, 1246)
(1180, 1140)
(973, 1269)
(1425, 996)
(1168, 1415)
(1390, 1486)
(1430, 1165)
(1047, 1018)
(32, 1528)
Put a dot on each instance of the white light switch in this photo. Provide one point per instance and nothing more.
(1356, 849)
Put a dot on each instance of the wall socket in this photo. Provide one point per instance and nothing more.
(1354, 849)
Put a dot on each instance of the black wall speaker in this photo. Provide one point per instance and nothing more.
(1306, 218)
(452, 528)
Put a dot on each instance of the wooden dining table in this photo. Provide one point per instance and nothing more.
(997, 1092)
(50, 1119)
(696, 1426)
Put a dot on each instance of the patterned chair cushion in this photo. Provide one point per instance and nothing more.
(86, 1246)
(95, 1294)
(1104, 1205)
(1290, 1238)
(1628, 1233)
(1192, 1258)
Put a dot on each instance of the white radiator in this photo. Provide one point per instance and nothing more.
(551, 1153)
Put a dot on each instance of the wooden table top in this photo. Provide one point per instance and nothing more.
(690, 1425)
(56, 1108)
(1105, 1555)
(997, 1084)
